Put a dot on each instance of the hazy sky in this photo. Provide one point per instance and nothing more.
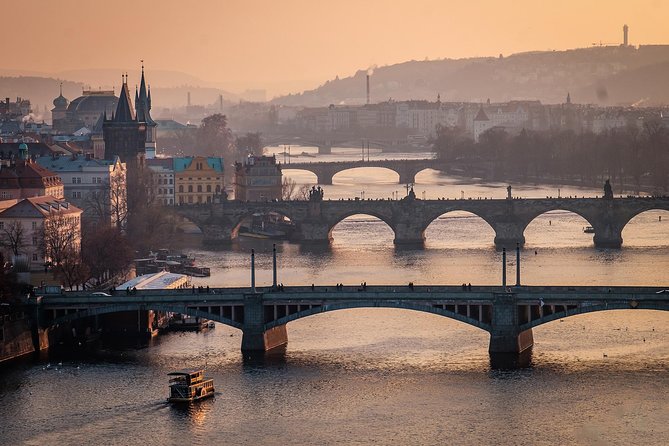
(283, 44)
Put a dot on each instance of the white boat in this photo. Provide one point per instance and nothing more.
(189, 385)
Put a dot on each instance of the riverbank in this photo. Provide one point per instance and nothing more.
(17, 338)
(482, 175)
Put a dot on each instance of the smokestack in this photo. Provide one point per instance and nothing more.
(188, 99)
(368, 88)
(220, 100)
(625, 30)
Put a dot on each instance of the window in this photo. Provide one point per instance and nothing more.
(190, 198)
(35, 241)
(181, 189)
(170, 180)
(6, 194)
(199, 188)
(76, 194)
(34, 225)
(171, 191)
(170, 201)
(35, 257)
(97, 180)
(208, 187)
(76, 180)
(190, 188)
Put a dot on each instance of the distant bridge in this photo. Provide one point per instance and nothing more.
(508, 314)
(407, 169)
(409, 218)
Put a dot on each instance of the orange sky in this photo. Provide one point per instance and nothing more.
(292, 44)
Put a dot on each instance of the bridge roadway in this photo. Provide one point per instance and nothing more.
(407, 169)
(508, 314)
(409, 218)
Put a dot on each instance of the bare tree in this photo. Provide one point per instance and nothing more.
(108, 203)
(12, 237)
(60, 238)
(288, 186)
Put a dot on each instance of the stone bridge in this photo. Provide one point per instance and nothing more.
(407, 169)
(409, 218)
(508, 314)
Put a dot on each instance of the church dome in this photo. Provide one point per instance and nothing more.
(61, 101)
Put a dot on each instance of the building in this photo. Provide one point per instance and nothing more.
(198, 179)
(96, 186)
(162, 180)
(15, 110)
(84, 111)
(258, 178)
(24, 178)
(25, 220)
(127, 135)
(144, 323)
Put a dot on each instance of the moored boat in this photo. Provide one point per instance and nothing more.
(189, 385)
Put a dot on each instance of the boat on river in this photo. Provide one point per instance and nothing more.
(589, 230)
(189, 385)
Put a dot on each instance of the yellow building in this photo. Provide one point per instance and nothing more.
(198, 179)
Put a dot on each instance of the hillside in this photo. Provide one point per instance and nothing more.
(609, 75)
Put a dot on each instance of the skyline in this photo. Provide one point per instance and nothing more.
(283, 59)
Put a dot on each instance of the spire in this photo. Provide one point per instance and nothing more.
(149, 97)
(124, 111)
(568, 98)
(143, 101)
(61, 88)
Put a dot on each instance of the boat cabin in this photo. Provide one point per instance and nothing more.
(189, 385)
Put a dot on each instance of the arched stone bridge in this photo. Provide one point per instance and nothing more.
(407, 169)
(507, 314)
(315, 220)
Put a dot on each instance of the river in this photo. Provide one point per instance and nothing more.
(383, 376)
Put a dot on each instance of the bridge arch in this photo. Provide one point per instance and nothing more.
(304, 175)
(120, 307)
(250, 213)
(398, 305)
(584, 309)
(352, 168)
(445, 223)
(341, 217)
(656, 219)
(560, 219)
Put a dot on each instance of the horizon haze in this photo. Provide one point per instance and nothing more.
(297, 45)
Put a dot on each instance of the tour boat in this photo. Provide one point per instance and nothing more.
(589, 230)
(189, 385)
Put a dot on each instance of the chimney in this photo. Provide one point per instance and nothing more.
(188, 99)
(625, 30)
(367, 88)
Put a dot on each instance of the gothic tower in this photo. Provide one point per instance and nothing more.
(143, 114)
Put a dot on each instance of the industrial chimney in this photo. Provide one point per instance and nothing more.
(625, 30)
(367, 88)
(188, 100)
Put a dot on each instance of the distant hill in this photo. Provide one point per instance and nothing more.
(609, 75)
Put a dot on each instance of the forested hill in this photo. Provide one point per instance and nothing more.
(609, 75)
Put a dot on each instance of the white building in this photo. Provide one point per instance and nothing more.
(94, 185)
(22, 224)
(162, 180)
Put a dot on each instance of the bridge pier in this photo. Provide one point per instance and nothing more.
(254, 336)
(509, 235)
(607, 237)
(324, 178)
(407, 234)
(407, 177)
(509, 346)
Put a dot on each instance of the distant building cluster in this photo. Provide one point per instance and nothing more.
(421, 118)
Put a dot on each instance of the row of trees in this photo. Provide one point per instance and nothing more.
(631, 156)
(212, 138)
